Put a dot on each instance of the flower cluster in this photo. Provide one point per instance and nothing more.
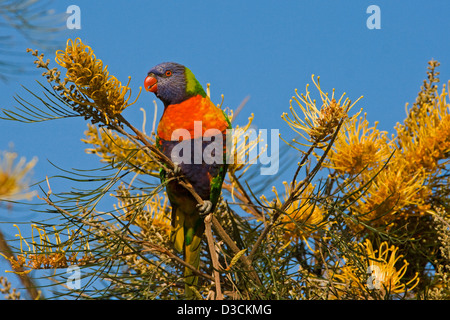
(5, 288)
(87, 87)
(359, 148)
(95, 86)
(375, 269)
(113, 148)
(395, 177)
(14, 177)
(425, 138)
(318, 125)
(388, 195)
(303, 217)
(383, 188)
(48, 255)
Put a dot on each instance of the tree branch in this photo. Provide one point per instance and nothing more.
(24, 278)
(148, 245)
(294, 194)
(214, 259)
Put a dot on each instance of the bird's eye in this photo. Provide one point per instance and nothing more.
(168, 73)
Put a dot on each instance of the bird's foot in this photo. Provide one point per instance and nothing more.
(176, 172)
(205, 208)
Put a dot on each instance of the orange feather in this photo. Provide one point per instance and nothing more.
(183, 115)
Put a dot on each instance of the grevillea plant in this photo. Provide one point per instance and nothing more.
(363, 215)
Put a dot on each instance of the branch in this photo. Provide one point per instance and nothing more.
(155, 248)
(306, 155)
(24, 278)
(246, 198)
(294, 194)
(214, 259)
(244, 259)
(245, 205)
(148, 245)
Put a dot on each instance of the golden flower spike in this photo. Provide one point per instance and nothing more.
(302, 218)
(94, 86)
(381, 271)
(359, 147)
(46, 254)
(318, 125)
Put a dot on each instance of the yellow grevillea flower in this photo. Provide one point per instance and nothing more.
(302, 218)
(318, 124)
(358, 147)
(400, 189)
(158, 207)
(426, 139)
(381, 271)
(47, 254)
(392, 193)
(383, 192)
(145, 210)
(244, 147)
(14, 177)
(111, 147)
(95, 87)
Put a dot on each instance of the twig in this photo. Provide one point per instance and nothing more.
(155, 248)
(239, 108)
(241, 197)
(148, 245)
(148, 146)
(214, 259)
(246, 196)
(302, 162)
(293, 195)
(244, 259)
(24, 278)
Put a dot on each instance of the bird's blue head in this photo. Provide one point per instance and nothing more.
(172, 83)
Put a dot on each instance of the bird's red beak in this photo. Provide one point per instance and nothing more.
(150, 84)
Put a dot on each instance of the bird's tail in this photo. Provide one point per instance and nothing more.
(192, 257)
(187, 237)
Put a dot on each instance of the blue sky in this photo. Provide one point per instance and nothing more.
(261, 49)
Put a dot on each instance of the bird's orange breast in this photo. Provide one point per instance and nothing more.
(183, 116)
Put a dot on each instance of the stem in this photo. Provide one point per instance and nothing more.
(302, 162)
(294, 194)
(214, 259)
(141, 137)
(246, 196)
(147, 245)
(245, 205)
(24, 278)
(244, 259)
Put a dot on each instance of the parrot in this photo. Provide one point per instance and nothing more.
(187, 106)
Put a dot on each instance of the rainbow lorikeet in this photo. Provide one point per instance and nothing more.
(187, 107)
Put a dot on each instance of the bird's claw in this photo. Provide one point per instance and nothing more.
(205, 208)
(176, 172)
